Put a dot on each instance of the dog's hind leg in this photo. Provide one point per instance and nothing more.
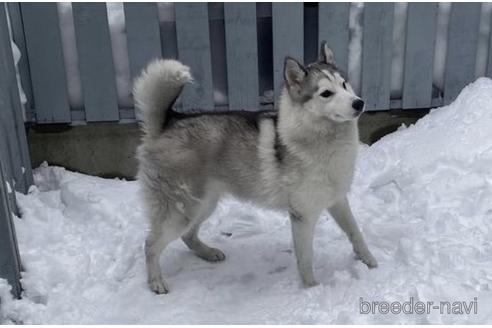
(192, 240)
(302, 233)
(165, 228)
(201, 249)
(343, 216)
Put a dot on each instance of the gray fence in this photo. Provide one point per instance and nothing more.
(15, 165)
(291, 28)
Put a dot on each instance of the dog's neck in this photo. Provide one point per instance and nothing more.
(298, 129)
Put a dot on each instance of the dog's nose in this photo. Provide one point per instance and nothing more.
(358, 105)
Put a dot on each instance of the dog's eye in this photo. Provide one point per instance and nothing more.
(326, 94)
(344, 86)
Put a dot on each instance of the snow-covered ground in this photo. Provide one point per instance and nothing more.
(422, 196)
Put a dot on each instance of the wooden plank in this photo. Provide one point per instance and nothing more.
(167, 26)
(11, 112)
(488, 71)
(376, 55)
(143, 35)
(20, 40)
(419, 55)
(10, 158)
(193, 38)
(9, 254)
(333, 21)
(242, 56)
(461, 52)
(288, 39)
(22, 168)
(45, 56)
(97, 72)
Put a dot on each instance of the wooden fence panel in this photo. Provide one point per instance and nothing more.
(419, 55)
(288, 39)
(143, 35)
(333, 21)
(36, 30)
(12, 176)
(242, 55)
(11, 113)
(45, 55)
(376, 55)
(488, 71)
(97, 72)
(461, 52)
(9, 253)
(193, 38)
(20, 40)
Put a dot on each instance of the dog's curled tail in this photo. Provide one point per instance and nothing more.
(156, 90)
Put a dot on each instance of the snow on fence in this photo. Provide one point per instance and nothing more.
(81, 58)
(15, 165)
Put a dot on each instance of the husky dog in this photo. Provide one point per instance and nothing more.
(300, 161)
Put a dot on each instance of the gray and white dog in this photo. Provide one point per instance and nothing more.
(300, 161)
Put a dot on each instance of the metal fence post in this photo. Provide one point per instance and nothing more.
(9, 254)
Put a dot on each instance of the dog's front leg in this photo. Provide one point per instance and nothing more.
(343, 216)
(302, 233)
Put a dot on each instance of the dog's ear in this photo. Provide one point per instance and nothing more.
(326, 54)
(294, 72)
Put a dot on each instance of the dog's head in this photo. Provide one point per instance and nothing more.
(320, 89)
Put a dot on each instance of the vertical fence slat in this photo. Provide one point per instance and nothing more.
(288, 39)
(10, 158)
(12, 112)
(419, 55)
(242, 55)
(45, 55)
(488, 71)
(10, 145)
(20, 41)
(7, 146)
(376, 55)
(193, 38)
(142, 33)
(464, 22)
(333, 21)
(9, 254)
(97, 72)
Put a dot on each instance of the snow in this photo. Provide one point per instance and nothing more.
(8, 187)
(422, 196)
(355, 45)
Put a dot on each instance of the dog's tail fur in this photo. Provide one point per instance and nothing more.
(156, 90)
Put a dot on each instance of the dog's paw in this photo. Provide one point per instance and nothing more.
(213, 255)
(368, 259)
(310, 283)
(158, 286)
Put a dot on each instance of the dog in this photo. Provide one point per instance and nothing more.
(299, 160)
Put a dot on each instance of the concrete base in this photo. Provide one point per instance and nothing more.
(108, 150)
(101, 149)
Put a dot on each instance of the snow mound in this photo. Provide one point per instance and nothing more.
(422, 196)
